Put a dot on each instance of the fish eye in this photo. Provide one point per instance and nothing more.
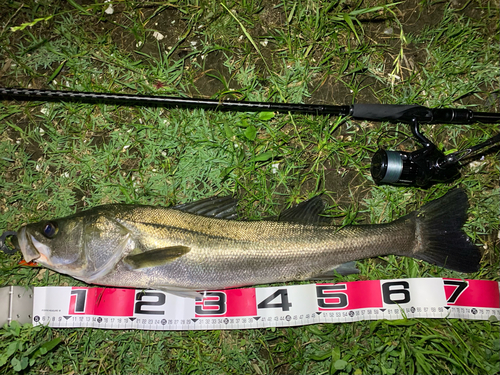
(50, 229)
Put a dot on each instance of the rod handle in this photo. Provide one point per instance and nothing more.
(391, 112)
(423, 115)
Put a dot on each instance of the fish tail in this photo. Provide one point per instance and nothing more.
(439, 234)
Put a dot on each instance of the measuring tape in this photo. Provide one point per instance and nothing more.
(283, 306)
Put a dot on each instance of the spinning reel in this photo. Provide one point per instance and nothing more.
(427, 165)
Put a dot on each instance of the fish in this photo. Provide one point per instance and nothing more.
(202, 246)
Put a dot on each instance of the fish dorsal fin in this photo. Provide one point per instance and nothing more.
(307, 212)
(217, 207)
(155, 257)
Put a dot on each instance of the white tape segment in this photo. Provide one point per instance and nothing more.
(283, 306)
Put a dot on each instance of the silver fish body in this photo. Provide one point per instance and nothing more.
(170, 248)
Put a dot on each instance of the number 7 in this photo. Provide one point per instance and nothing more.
(461, 286)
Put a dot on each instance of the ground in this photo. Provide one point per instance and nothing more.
(60, 158)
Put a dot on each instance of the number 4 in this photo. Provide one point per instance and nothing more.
(284, 304)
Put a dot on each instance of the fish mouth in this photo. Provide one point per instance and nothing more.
(29, 251)
(32, 249)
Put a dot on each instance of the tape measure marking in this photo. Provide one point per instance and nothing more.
(285, 306)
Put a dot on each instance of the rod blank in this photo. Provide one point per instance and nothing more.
(375, 112)
(167, 101)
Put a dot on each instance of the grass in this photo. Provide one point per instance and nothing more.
(59, 158)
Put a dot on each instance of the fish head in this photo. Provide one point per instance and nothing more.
(86, 245)
(55, 244)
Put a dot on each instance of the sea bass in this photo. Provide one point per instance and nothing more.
(199, 246)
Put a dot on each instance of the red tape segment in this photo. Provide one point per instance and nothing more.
(471, 293)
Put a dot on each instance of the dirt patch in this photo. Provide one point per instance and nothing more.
(215, 77)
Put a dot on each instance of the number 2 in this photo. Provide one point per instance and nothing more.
(140, 303)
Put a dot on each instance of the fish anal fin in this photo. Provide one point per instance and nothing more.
(348, 268)
(155, 257)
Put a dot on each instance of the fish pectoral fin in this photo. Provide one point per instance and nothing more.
(348, 268)
(155, 257)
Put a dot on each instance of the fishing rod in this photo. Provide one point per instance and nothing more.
(421, 168)
(374, 112)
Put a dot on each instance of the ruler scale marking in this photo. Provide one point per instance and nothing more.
(283, 306)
